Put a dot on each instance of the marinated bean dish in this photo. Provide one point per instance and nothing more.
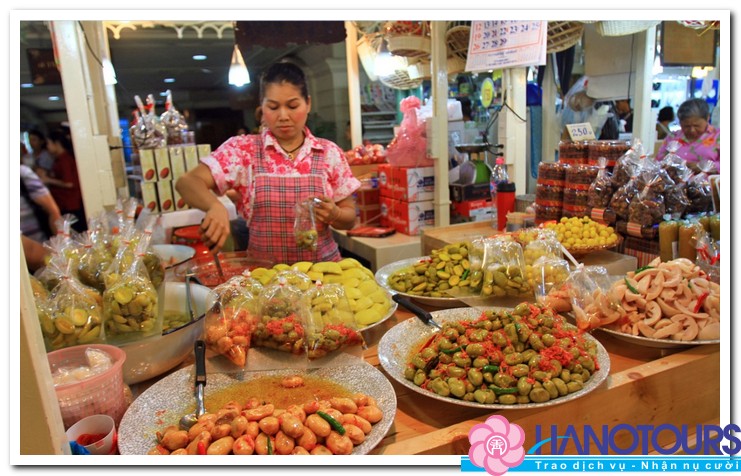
(319, 426)
(446, 269)
(527, 355)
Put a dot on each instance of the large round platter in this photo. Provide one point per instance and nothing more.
(383, 275)
(656, 343)
(164, 402)
(397, 344)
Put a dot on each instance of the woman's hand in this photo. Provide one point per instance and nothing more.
(340, 215)
(326, 210)
(215, 227)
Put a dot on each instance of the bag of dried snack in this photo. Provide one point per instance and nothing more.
(674, 165)
(647, 208)
(132, 309)
(331, 324)
(699, 193)
(73, 313)
(282, 319)
(504, 270)
(304, 225)
(601, 190)
(628, 165)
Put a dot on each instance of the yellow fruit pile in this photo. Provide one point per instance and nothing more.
(368, 301)
(579, 233)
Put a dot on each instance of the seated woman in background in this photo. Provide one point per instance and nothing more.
(699, 141)
(666, 117)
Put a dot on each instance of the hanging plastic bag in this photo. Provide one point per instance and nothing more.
(147, 131)
(304, 225)
(331, 324)
(131, 306)
(409, 147)
(282, 319)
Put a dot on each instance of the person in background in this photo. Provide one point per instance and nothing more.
(39, 212)
(41, 159)
(242, 130)
(34, 252)
(666, 117)
(625, 115)
(699, 141)
(65, 184)
(274, 171)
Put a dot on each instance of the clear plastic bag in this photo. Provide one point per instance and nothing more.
(647, 208)
(409, 147)
(628, 165)
(674, 165)
(588, 288)
(623, 196)
(549, 276)
(282, 319)
(601, 190)
(304, 226)
(147, 131)
(300, 280)
(72, 314)
(708, 256)
(504, 270)
(331, 325)
(131, 306)
(538, 250)
(700, 194)
(174, 122)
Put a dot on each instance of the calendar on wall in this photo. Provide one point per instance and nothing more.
(506, 43)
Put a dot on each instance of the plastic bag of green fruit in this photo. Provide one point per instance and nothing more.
(331, 326)
(504, 270)
(304, 226)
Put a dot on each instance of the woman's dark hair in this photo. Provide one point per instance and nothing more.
(61, 136)
(693, 108)
(39, 134)
(666, 114)
(284, 72)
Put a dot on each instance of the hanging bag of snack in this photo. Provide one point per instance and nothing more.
(331, 325)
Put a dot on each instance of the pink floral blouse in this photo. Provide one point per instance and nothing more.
(707, 146)
(232, 166)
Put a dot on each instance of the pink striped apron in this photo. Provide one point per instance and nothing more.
(271, 225)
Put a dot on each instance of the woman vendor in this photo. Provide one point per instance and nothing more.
(699, 141)
(273, 171)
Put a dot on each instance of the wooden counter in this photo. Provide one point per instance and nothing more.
(380, 251)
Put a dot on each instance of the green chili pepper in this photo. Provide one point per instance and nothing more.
(336, 426)
(451, 351)
(630, 287)
(491, 368)
(465, 274)
(270, 446)
(643, 268)
(502, 391)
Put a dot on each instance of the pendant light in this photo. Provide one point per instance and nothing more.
(109, 74)
(238, 73)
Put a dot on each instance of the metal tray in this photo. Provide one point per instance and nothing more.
(383, 275)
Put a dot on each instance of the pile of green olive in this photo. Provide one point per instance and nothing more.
(527, 355)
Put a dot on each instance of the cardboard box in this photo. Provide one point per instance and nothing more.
(413, 184)
(149, 196)
(190, 152)
(203, 150)
(384, 180)
(476, 191)
(164, 192)
(412, 217)
(146, 160)
(368, 214)
(470, 211)
(179, 202)
(177, 162)
(387, 211)
(162, 161)
(365, 197)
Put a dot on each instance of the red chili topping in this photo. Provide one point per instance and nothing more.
(89, 438)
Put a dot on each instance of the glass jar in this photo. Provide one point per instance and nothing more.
(573, 152)
(612, 150)
(551, 171)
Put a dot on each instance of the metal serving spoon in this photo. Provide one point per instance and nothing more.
(186, 421)
(423, 315)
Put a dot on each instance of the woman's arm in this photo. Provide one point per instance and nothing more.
(34, 252)
(49, 180)
(51, 208)
(196, 189)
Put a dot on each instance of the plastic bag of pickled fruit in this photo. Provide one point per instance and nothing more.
(504, 270)
(132, 309)
(73, 313)
(708, 256)
(57, 252)
(548, 248)
(331, 324)
(296, 278)
(282, 320)
(94, 260)
(445, 273)
(304, 225)
(232, 318)
(549, 277)
(588, 288)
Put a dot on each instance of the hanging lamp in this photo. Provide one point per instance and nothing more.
(238, 73)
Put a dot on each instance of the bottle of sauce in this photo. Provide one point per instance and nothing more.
(688, 233)
(668, 240)
(715, 226)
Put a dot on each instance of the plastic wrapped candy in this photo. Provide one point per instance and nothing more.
(282, 319)
(304, 226)
(147, 131)
(131, 305)
(331, 325)
(174, 122)
(73, 314)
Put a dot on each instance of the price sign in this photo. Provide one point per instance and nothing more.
(487, 92)
(581, 131)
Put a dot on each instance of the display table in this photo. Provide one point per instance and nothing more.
(380, 251)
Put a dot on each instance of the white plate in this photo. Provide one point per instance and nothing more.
(396, 346)
(165, 402)
(383, 275)
(173, 255)
(656, 343)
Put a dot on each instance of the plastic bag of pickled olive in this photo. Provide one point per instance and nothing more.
(92, 261)
(132, 309)
(304, 225)
(538, 250)
(73, 313)
(601, 190)
(591, 303)
(446, 271)
(282, 320)
(647, 208)
(628, 165)
(504, 270)
(331, 323)
(699, 193)
(674, 165)
(231, 319)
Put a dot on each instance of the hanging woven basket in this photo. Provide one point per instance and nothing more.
(624, 27)
(457, 35)
(400, 80)
(423, 69)
(367, 52)
(562, 35)
(408, 38)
